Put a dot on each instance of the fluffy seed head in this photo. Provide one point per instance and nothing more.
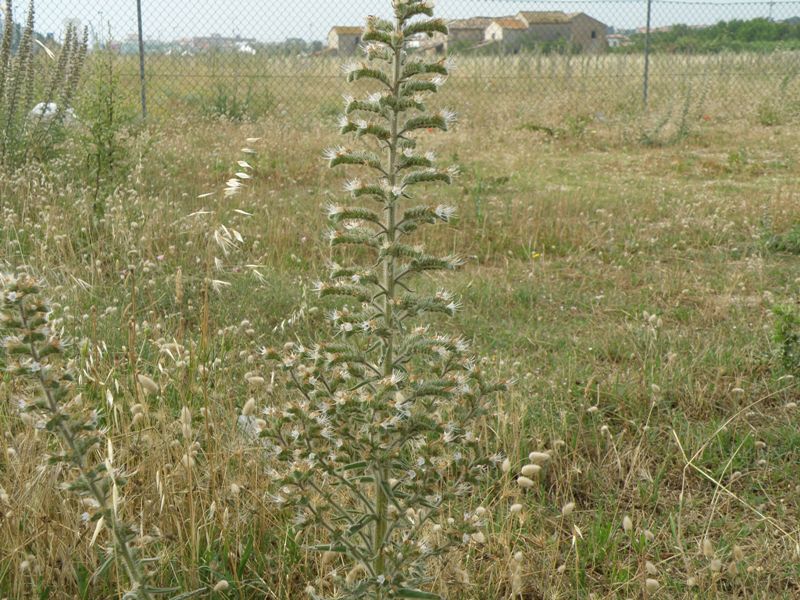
(531, 470)
(249, 408)
(525, 483)
(148, 385)
(708, 548)
(627, 524)
(539, 458)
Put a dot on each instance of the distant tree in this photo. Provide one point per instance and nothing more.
(733, 36)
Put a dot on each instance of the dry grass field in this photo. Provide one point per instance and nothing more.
(618, 269)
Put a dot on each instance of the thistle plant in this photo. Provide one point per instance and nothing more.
(31, 349)
(379, 433)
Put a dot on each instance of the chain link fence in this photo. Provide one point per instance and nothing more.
(252, 58)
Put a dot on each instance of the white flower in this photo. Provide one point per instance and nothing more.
(352, 185)
(444, 212)
(332, 153)
(449, 116)
(343, 122)
(332, 210)
(350, 67)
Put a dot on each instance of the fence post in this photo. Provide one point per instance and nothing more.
(646, 84)
(141, 59)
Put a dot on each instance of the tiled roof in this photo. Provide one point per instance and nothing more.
(546, 17)
(473, 23)
(511, 23)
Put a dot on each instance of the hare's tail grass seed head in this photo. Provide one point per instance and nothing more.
(31, 349)
(385, 412)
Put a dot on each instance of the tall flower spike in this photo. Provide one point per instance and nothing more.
(31, 350)
(383, 411)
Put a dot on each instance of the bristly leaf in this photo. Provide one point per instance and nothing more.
(411, 10)
(429, 27)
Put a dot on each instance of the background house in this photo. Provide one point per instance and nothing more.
(617, 40)
(528, 29)
(468, 31)
(345, 40)
(579, 29)
(509, 30)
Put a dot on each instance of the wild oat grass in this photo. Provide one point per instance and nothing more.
(625, 285)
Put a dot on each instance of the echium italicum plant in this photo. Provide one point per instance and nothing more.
(29, 123)
(32, 349)
(380, 430)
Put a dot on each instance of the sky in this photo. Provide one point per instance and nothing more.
(276, 20)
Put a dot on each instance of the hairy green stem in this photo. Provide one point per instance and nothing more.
(68, 436)
(382, 474)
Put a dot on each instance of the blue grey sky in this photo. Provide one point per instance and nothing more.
(276, 20)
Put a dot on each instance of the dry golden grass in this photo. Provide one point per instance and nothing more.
(680, 419)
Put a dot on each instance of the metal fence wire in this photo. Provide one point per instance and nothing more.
(244, 59)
